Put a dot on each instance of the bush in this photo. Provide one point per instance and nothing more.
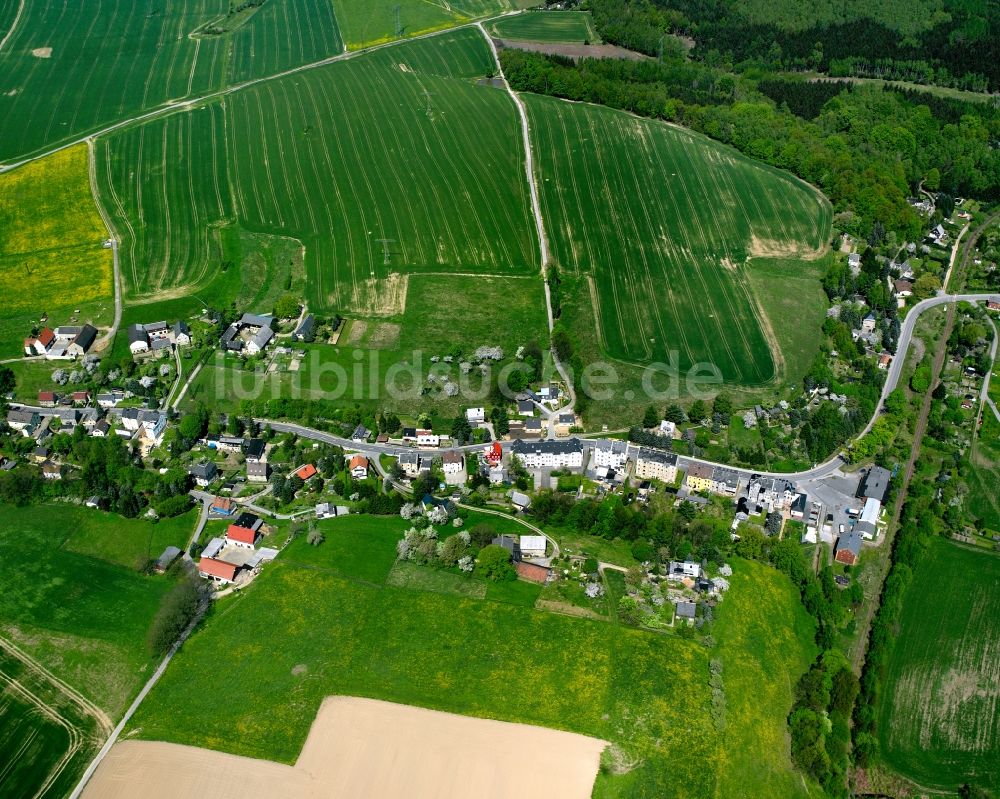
(178, 609)
(172, 506)
(494, 562)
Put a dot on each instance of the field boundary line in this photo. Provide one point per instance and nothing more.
(13, 25)
(33, 665)
(116, 288)
(75, 737)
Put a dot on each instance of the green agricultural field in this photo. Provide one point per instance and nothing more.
(52, 258)
(46, 736)
(81, 615)
(365, 23)
(572, 27)
(69, 69)
(350, 625)
(660, 225)
(327, 158)
(938, 719)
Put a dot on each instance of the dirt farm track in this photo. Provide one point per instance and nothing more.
(363, 747)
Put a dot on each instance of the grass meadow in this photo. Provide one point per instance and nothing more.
(69, 69)
(347, 621)
(572, 27)
(939, 723)
(73, 604)
(400, 145)
(364, 23)
(51, 254)
(662, 225)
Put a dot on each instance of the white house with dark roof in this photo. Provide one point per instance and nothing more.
(549, 454)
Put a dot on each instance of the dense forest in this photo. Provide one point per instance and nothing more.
(957, 46)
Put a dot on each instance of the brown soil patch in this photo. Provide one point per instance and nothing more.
(385, 335)
(356, 333)
(573, 50)
(774, 248)
(364, 747)
(42, 52)
(381, 296)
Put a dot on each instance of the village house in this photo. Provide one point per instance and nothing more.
(40, 344)
(475, 416)
(80, 397)
(533, 428)
(203, 473)
(305, 329)
(361, 434)
(884, 360)
(110, 399)
(655, 464)
(359, 467)
(903, 288)
(533, 546)
(686, 610)
(26, 422)
(700, 477)
(180, 333)
(549, 454)
(854, 263)
(875, 484)
(411, 464)
(869, 323)
(254, 327)
(47, 399)
(525, 407)
(510, 543)
(565, 423)
(427, 438)
(223, 506)
(515, 429)
(519, 500)
(217, 570)
(101, 429)
(256, 460)
(681, 570)
(453, 466)
(770, 494)
(610, 454)
(169, 555)
(305, 472)
(667, 429)
(245, 531)
(848, 548)
(51, 471)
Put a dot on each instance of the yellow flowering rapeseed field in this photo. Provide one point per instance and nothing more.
(51, 237)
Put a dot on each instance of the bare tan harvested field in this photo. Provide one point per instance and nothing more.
(364, 747)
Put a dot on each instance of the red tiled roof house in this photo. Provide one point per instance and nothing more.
(217, 570)
(241, 536)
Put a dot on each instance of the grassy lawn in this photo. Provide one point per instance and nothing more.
(126, 542)
(51, 254)
(433, 650)
(765, 643)
(572, 27)
(82, 616)
(938, 719)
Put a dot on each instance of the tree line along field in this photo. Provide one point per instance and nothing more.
(346, 622)
(69, 68)
(939, 715)
(365, 23)
(571, 27)
(663, 223)
(52, 257)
